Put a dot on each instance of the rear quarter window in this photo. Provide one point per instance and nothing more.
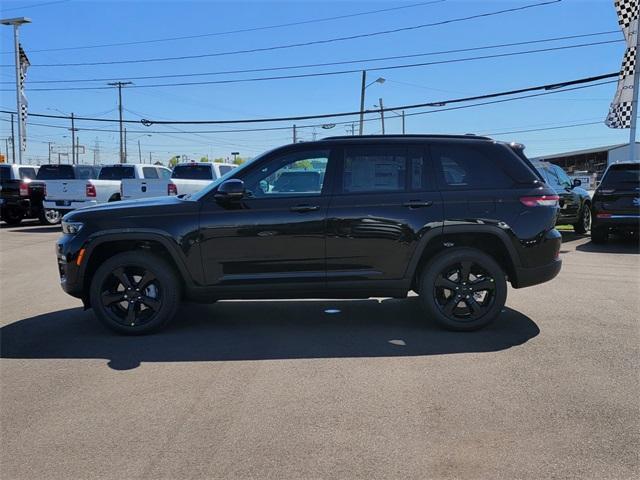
(470, 167)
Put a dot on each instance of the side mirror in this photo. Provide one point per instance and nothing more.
(577, 182)
(232, 189)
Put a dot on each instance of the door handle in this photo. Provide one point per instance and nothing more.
(305, 208)
(417, 204)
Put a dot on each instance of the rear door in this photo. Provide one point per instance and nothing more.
(384, 201)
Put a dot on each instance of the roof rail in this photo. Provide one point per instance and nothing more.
(413, 135)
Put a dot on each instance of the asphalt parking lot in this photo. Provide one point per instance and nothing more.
(287, 390)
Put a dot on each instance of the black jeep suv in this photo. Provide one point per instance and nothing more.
(449, 217)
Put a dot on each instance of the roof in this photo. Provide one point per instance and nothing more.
(605, 148)
(468, 136)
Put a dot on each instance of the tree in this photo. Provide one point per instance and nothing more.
(304, 164)
(173, 161)
(218, 160)
(239, 160)
(204, 159)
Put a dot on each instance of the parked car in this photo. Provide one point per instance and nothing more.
(575, 202)
(616, 202)
(70, 194)
(55, 175)
(451, 217)
(192, 177)
(19, 199)
(156, 183)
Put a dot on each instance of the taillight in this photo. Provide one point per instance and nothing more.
(90, 190)
(24, 189)
(44, 189)
(172, 189)
(603, 215)
(540, 201)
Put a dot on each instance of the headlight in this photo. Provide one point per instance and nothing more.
(71, 228)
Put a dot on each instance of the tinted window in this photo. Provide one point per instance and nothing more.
(193, 172)
(85, 172)
(27, 172)
(5, 172)
(225, 169)
(165, 173)
(374, 170)
(55, 172)
(149, 172)
(116, 173)
(563, 178)
(465, 167)
(299, 173)
(622, 176)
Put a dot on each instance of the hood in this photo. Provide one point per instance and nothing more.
(123, 208)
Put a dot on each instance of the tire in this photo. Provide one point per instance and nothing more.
(583, 225)
(12, 217)
(50, 217)
(114, 198)
(449, 275)
(599, 234)
(115, 283)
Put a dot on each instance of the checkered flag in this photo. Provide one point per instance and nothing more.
(621, 111)
(22, 69)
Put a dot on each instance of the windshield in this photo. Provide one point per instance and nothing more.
(232, 173)
(622, 176)
(55, 172)
(193, 172)
(116, 173)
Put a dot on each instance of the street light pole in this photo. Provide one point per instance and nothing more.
(382, 115)
(73, 141)
(125, 145)
(13, 142)
(139, 152)
(364, 83)
(403, 122)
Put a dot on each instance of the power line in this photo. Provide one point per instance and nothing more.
(244, 30)
(34, 5)
(548, 89)
(338, 72)
(304, 44)
(344, 62)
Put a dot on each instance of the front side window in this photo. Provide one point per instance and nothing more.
(467, 167)
(116, 173)
(294, 174)
(165, 173)
(224, 169)
(563, 178)
(149, 172)
(85, 172)
(375, 170)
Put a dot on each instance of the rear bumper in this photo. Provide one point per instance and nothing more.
(617, 221)
(67, 205)
(526, 277)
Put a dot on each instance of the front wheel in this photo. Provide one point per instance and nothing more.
(135, 293)
(463, 289)
(583, 225)
(50, 217)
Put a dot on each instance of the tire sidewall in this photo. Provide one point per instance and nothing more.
(45, 220)
(448, 257)
(165, 276)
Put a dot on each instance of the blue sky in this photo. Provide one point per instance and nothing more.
(81, 23)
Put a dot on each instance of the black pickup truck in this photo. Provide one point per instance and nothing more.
(21, 197)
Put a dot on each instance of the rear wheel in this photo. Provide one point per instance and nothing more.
(463, 289)
(599, 235)
(50, 217)
(583, 225)
(134, 293)
(12, 216)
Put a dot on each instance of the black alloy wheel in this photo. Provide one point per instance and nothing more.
(135, 293)
(463, 289)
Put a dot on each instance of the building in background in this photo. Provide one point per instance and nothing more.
(592, 160)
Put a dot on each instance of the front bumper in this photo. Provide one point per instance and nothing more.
(67, 251)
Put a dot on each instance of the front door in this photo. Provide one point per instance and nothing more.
(275, 235)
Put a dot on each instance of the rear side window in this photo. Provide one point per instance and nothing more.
(85, 172)
(149, 172)
(164, 173)
(193, 172)
(55, 172)
(27, 172)
(116, 173)
(468, 167)
(5, 172)
(375, 170)
(622, 176)
(224, 169)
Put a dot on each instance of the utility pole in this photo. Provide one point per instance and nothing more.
(73, 141)
(13, 142)
(96, 152)
(123, 147)
(139, 152)
(150, 163)
(364, 85)
(634, 103)
(403, 122)
(49, 152)
(295, 139)
(382, 115)
(6, 146)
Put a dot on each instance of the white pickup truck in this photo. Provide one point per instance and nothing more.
(191, 177)
(153, 184)
(67, 195)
